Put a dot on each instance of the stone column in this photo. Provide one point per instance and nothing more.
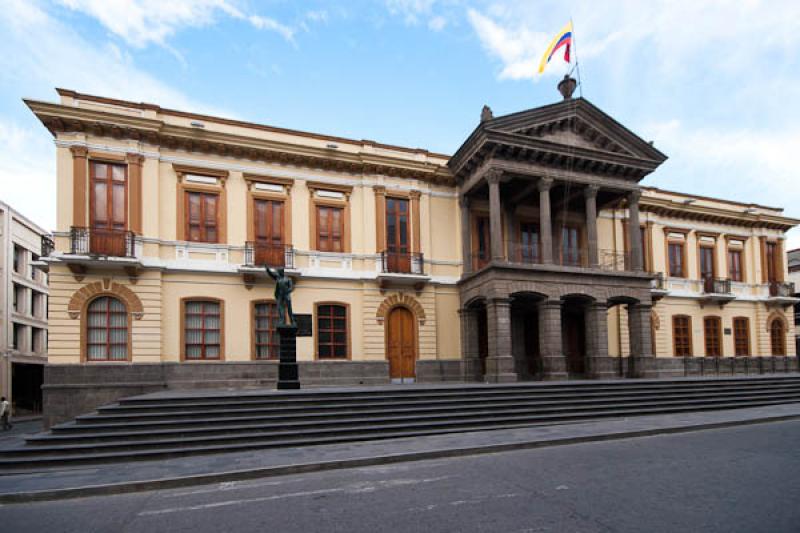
(551, 346)
(641, 362)
(590, 194)
(634, 232)
(599, 365)
(500, 362)
(466, 234)
(80, 186)
(545, 229)
(495, 214)
(470, 351)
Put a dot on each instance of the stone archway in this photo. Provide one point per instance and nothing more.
(404, 300)
(79, 299)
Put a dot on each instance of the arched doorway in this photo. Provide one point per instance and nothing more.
(401, 345)
(573, 333)
(777, 337)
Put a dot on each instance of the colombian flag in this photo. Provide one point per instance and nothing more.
(564, 38)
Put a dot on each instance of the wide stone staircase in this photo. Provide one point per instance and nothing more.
(172, 424)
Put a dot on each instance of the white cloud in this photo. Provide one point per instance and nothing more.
(437, 23)
(141, 22)
(410, 10)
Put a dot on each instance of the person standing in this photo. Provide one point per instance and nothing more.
(5, 412)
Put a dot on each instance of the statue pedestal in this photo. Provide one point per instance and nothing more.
(288, 373)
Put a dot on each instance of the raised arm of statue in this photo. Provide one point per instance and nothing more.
(272, 273)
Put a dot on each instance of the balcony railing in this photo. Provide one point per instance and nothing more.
(573, 257)
(659, 283)
(402, 263)
(713, 285)
(480, 259)
(781, 289)
(527, 254)
(101, 242)
(47, 246)
(268, 254)
(615, 261)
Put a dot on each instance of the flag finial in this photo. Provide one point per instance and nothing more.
(567, 86)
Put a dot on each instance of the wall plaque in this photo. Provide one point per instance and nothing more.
(304, 325)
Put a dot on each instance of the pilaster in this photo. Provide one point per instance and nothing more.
(500, 362)
(551, 348)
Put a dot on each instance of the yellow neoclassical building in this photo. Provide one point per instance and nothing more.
(511, 259)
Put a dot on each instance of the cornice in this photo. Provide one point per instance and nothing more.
(59, 118)
(714, 214)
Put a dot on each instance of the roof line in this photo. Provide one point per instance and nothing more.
(242, 123)
(711, 198)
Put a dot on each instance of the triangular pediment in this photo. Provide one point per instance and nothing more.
(576, 123)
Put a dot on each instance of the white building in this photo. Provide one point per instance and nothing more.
(23, 310)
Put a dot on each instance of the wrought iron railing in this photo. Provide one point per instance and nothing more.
(402, 263)
(47, 246)
(101, 242)
(713, 285)
(615, 260)
(571, 257)
(783, 289)
(268, 254)
(480, 259)
(528, 254)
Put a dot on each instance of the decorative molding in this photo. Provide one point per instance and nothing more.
(400, 300)
(105, 287)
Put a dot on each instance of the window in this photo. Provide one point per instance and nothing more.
(397, 241)
(735, 265)
(528, 243)
(682, 335)
(17, 336)
(108, 208)
(706, 263)
(712, 328)
(741, 335)
(676, 267)
(202, 329)
(330, 228)
(32, 273)
(265, 336)
(19, 259)
(106, 330)
(570, 246)
(202, 216)
(482, 241)
(332, 331)
(777, 337)
(772, 262)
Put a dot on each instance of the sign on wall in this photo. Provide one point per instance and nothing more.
(304, 325)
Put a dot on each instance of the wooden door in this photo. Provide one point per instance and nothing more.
(772, 263)
(108, 209)
(574, 333)
(202, 217)
(397, 246)
(401, 344)
(707, 267)
(482, 249)
(268, 232)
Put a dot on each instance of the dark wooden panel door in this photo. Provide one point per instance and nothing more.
(707, 267)
(108, 209)
(268, 232)
(401, 344)
(397, 247)
(574, 332)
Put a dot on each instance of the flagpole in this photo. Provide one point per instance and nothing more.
(577, 65)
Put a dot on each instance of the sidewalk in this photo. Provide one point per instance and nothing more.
(205, 469)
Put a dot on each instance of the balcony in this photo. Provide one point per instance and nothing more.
(782, 293)
(402, 263)
(101, 242)
(402, 269)
(658, 287)
(47, 246)
(716, 290)
(526, 254)
(615, 261)
(262, 254)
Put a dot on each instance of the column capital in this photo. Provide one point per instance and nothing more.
(544, 184)
(379, 190)
(494, 176)
(551, 304)
(134, 159)
(634, 196)
(415, 195)
(591, 191)
(79, 151)
(641, 306)
(500, 301)
(598, 306)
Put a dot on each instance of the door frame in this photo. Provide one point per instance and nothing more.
(415, 330)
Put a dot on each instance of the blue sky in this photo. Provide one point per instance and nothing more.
(714, 84)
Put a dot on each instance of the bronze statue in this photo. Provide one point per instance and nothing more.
(283, 295)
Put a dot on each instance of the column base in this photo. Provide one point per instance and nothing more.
(602, 367)
(500, 369)
(642, 367)
(554, 368)
(471, 369)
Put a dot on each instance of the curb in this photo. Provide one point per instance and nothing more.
(301, 468)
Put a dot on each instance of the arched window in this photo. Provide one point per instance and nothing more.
(106, 330)
(265, 332)
(777, 336)
(202, 329)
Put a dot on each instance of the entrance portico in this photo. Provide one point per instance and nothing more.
(530, 186)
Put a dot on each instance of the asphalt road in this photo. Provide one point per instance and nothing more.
(741, 479)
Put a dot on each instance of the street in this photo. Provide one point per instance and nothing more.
(728, 480)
